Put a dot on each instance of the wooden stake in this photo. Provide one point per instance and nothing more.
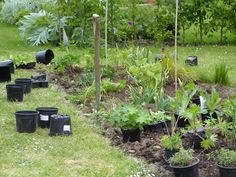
(176, 37)
(106, 33)
(96, 25)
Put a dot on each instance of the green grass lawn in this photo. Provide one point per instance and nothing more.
(86, 153)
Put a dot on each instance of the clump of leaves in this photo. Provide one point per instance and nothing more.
(159, 116)
(226, 157)
(109, 86)
(108, 72)
(129, 116)
(221, 75)
(182, 158)
(22, 59)
(66, 61)
(172, 142)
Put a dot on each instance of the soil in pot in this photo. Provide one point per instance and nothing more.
(45, 116)
(153, 127)
(15, 92)
(227, 171)
(5, 74)
(187, 171)
(196, 137)
(45, 56)
(26, 121)
(131, 135)
(26, 82)
(60, 125)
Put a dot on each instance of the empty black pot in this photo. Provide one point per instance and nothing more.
(60, 125)
(40, 77)
(227, 171)
(15, 92)
(187, 171)
(26, 82)
(131, 135)
(45, 56)
(45, 116)
(26, 121)
(5, 74)
(8, 63)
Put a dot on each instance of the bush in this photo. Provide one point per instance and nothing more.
(13, 9)
(226, 157)
(182, 158)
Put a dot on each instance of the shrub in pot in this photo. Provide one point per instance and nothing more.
(172, 144)
(130, 119)
(184, 164)
(226, 161)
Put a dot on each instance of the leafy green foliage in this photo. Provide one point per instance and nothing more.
(209, 140)
(226, 157)
(65, 61)
(13, 10)
(22, 59)
(182, 158)
(159, 116)
(108, 72)
(192, 113)
(109, 86)
(173, 142)
(221, 75)
(129, 116)
(42, 27)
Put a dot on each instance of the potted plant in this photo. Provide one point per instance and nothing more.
(130, 119)
(184, 164)
(24, 61)
(226, 161)
(157, 121)
(172, 144)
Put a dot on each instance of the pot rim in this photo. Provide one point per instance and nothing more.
(197, 161)
(45, 108)
(14, 85)
(26, 113)
(224, 167)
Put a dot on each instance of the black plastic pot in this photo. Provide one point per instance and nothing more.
(26, 121)
(40, 77)
(30, 65)
(131, 135)
(5, 74)
(195, 137)
(191, 60)
(153, 127)
(60, 125)
(187, 171)
(227, 171)
(26, 82)
(45, 116)
(44, 84)
(36, 84)
(196, 101)
(169, 153)
(8, 63)
(182, 122)
(15, 92)
(45, 56)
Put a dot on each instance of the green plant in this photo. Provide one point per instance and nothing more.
(182, 158)
(109, 86)
(192, 113)
(173, 142)
(143, 95)
(12, 10)
(221, 75)
(42, 27)
(129, 116)
(159, 116)
(226, 157)
(65, 62)
(22, 59)
(108, 72)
